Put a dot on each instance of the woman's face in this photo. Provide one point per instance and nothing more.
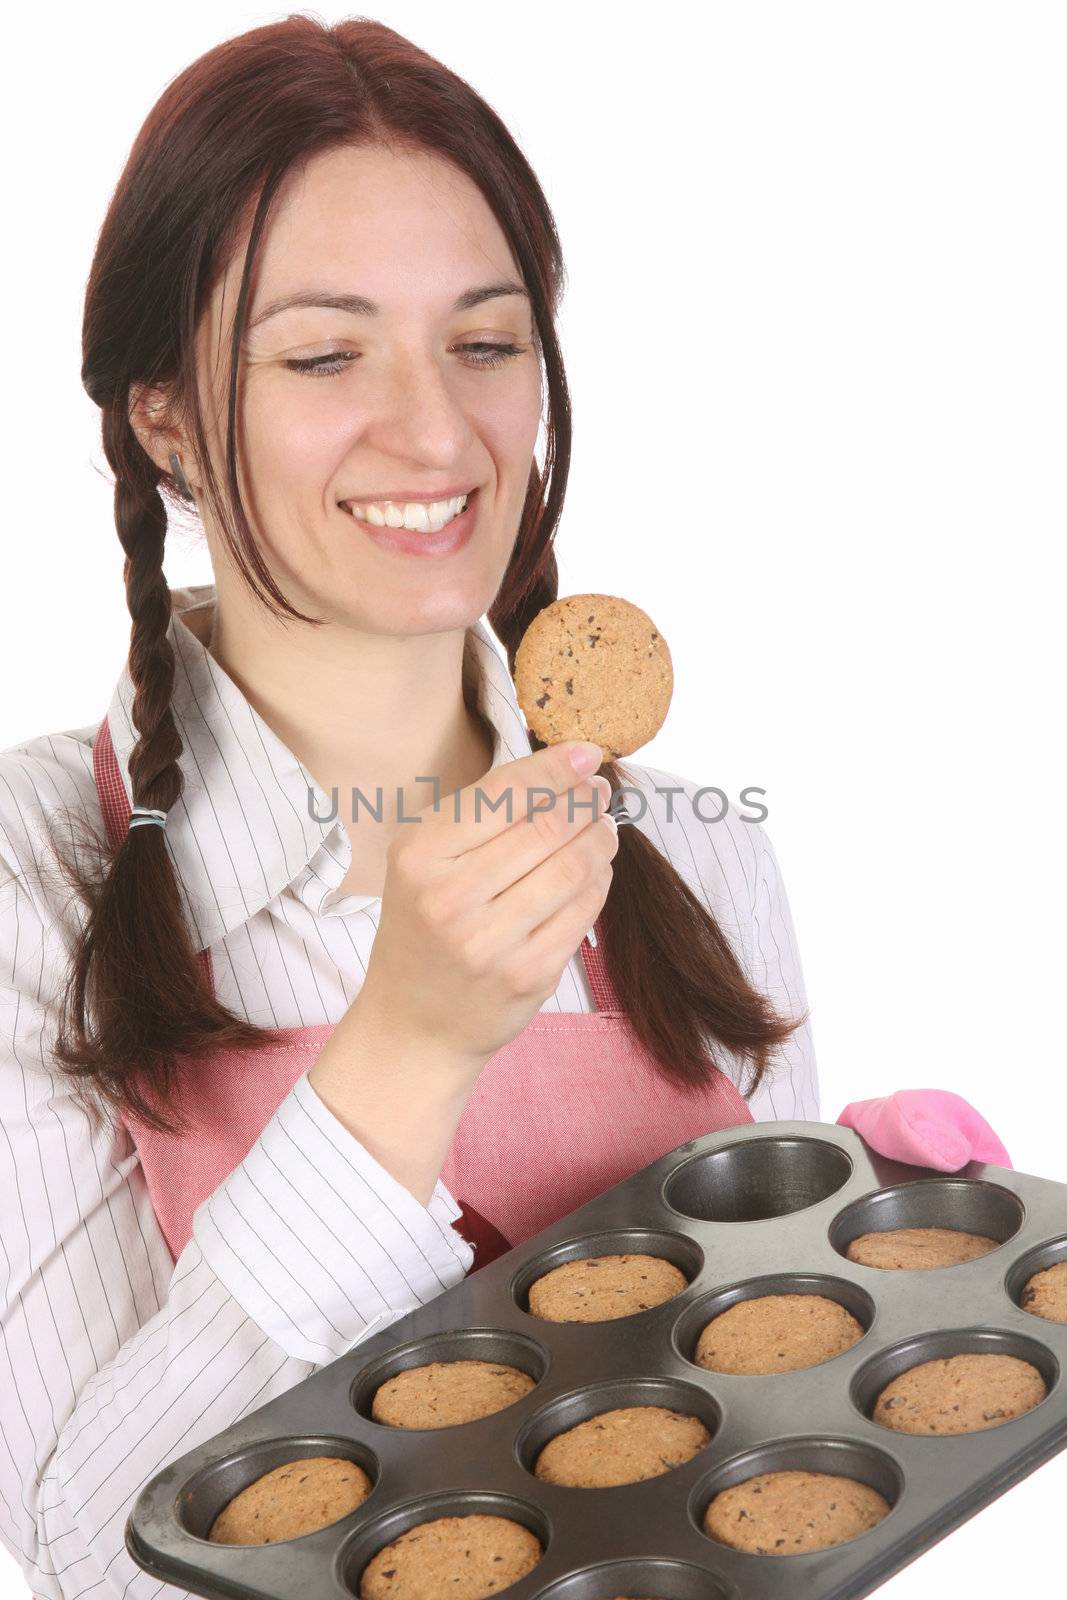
(337, 405)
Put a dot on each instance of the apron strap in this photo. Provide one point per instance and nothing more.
(109, 786)
(596, 971)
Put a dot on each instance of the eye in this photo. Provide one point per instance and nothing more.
(322, 366)
(334, 361)
(494, 354)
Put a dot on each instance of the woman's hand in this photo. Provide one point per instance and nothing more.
(480, 915)
(926, 1128)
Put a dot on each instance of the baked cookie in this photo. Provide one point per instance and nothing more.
(444, 1393)
(598, 1288)
(786, 1513)
(776, 1333)
(960, 1394)
(623, 1446)
(593, 666)
(1045, 1294)
(293, 1499)
(908, 1248)
(465, 1558)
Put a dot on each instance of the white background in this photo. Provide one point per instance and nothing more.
(816, 335)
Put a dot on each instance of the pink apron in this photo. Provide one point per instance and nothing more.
(570, 1107)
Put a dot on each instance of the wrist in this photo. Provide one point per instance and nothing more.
(384, 1047)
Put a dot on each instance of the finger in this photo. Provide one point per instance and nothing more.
(570, 879)
(503, 861)
(552, 942)
(516, 790)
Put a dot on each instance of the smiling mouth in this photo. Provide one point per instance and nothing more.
(399, 517)
(438, 541)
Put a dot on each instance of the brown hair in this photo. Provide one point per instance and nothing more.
(212, 153)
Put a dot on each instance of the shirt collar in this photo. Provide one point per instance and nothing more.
(244, 828)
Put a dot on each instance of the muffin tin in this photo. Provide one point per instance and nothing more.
(766, 1208)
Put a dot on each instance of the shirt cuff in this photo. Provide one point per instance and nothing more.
(317, 1242)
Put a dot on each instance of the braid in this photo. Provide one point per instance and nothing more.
(141, 520)
(510, 626)
(137, 997)
(664, 950)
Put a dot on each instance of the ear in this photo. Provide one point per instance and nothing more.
(152, 421)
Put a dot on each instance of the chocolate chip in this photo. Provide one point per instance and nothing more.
(543, 700)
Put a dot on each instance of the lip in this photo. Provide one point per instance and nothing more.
(401, 497)
(402, 541)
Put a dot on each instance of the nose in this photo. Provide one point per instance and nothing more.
(417, 414)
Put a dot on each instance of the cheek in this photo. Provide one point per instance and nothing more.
(509, 417)
(294, 437)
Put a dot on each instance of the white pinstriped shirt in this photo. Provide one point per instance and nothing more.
(114, 1359)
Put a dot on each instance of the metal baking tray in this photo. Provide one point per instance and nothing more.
(754, 1209)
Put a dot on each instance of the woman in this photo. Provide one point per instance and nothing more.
(275, 1074)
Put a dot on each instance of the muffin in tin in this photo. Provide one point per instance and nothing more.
(909, 1249)
(465, 1558)
(293, 1499)
(625, 1445)
(600, 1288)
(776, 1333)
(790, 1513)
(959, 1394)
(442, 1394)
(1045, 1293)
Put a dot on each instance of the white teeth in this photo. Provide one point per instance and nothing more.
(415, 515)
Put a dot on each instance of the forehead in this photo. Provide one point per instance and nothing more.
(406, 229)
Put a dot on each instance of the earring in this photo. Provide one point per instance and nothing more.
(183, 482)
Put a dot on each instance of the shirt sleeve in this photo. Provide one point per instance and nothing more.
(114, 1359)
(789, 1091)
(318, 1241)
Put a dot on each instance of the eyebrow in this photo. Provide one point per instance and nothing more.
(358, 306)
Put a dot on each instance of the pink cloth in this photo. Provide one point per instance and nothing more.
(926, 1128)
(569, 1108)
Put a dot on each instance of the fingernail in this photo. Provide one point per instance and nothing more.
(585, 757)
